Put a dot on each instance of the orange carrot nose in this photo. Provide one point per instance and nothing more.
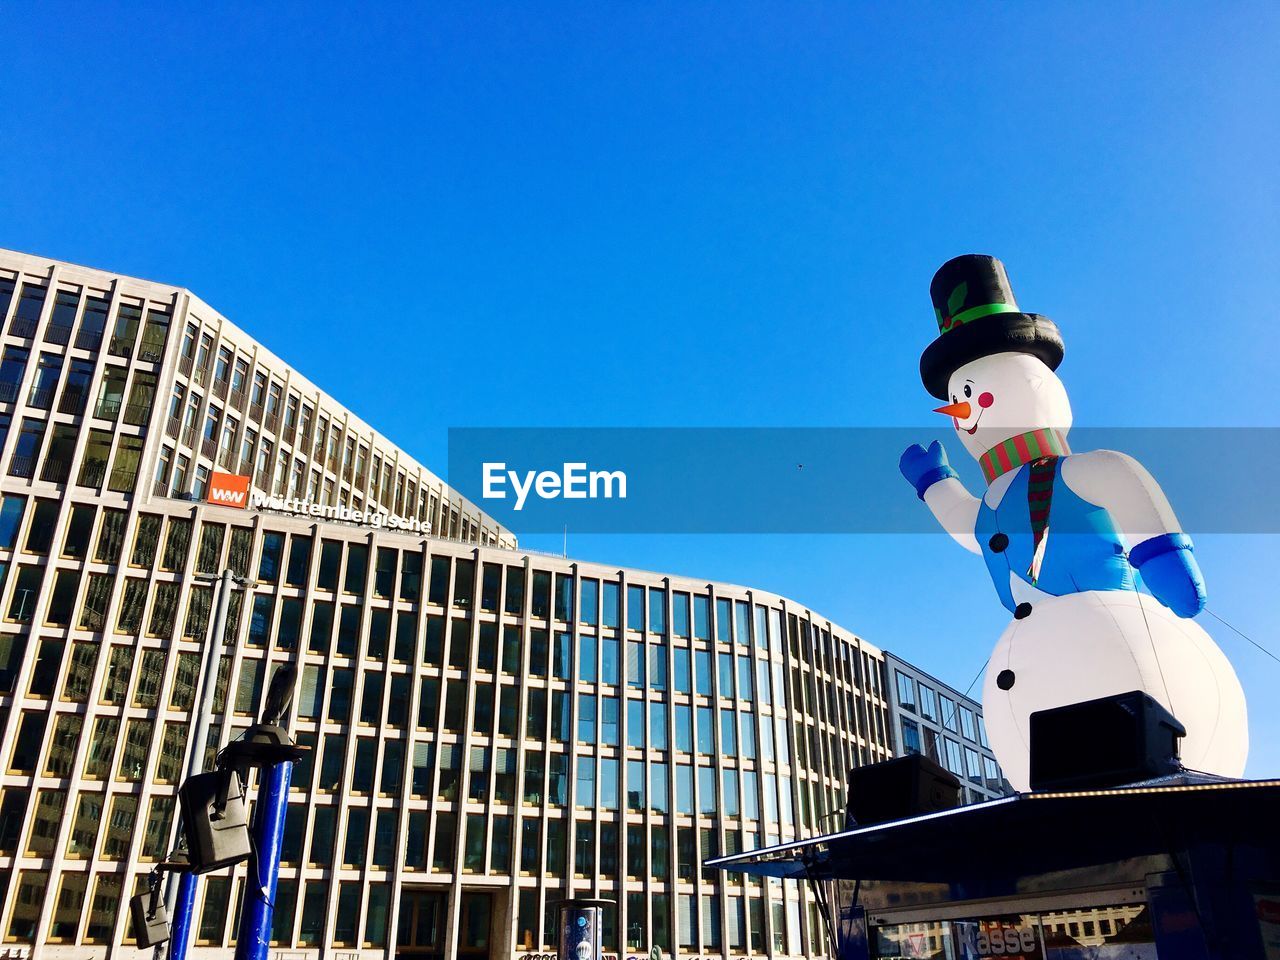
(959, 410)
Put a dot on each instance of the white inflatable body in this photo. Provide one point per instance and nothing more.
(1087, 645)
(1078, 646)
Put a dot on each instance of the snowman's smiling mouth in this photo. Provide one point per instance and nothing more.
(974, 429)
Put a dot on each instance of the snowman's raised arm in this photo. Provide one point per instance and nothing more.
(956, 511)
(1158, 548)
(954, 507)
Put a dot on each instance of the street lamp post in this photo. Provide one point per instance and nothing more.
(181, 898)
(268, 746)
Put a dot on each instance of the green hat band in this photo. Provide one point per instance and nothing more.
(947, 324)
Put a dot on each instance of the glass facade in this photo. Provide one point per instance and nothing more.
(930, 718)
(490, 731)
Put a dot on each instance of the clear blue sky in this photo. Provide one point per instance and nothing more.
(708, 214)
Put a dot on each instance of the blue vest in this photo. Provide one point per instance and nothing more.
(1084, 552)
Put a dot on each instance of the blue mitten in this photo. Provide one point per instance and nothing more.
(1170, 571)
(923, 468)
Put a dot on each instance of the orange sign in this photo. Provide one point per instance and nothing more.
(228, 490)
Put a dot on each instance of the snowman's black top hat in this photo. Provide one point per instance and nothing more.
(977, 317)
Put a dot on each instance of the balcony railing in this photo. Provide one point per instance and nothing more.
(59, 333)
(9, 391)
(89, 340)
(55, 471)
(121, 347)
(238, 398)
(92, 472)
(220, 388)
(189, 436)
(200, 375)
(184, 365)
(108, 408)
(72, 402)
(20, 466)
(123, 479)
(137, 414)
(40, 397)
(271, 421)
(23, 328)
(160, 488)
(255, 412)
(208, 447)
(246, 468)
(173, 426)
(225, 457)
(263, 479)
(151, 351)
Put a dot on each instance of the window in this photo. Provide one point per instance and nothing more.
(928, 702)
(609, 768)
(680, 615)
(13, 365)
(45, 382)
(949, 718)
(910, 736)
(11, 509)
(63, 318)
(906, 691)
(124, 469)
(657, 611)
(141, 399)
(27, 448)
(954, 758)
(269, 562)
(586, 782)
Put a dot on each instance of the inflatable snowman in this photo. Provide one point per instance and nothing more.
(1070, 539)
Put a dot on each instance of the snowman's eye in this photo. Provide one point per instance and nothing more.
(968, 390)
(954, 398)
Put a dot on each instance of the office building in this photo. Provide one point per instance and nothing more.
(490, 729)
(929, 717)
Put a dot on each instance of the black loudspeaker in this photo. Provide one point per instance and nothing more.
(899, 788)
(1103, 743)
(214, 820)
(150, 921)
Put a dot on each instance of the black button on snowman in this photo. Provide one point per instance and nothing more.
(1083, 548)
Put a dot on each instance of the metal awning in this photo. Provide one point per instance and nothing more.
(1032, 834)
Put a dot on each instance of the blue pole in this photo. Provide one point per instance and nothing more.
(256, 909)
(183, 916)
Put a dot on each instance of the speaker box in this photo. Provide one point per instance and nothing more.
(150, 927)
(214, 820)
(899, 788)
(1102, 743)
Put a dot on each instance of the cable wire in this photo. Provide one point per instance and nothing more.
(1243, 634)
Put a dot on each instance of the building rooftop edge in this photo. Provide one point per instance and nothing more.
(43, 263)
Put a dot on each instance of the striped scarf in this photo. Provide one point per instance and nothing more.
(1023, 448)
(1040, 448)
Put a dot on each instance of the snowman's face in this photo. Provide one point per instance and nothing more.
(998, 397)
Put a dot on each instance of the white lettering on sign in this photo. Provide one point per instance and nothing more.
(378, 519)
(573, 482)
(1015, 941)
